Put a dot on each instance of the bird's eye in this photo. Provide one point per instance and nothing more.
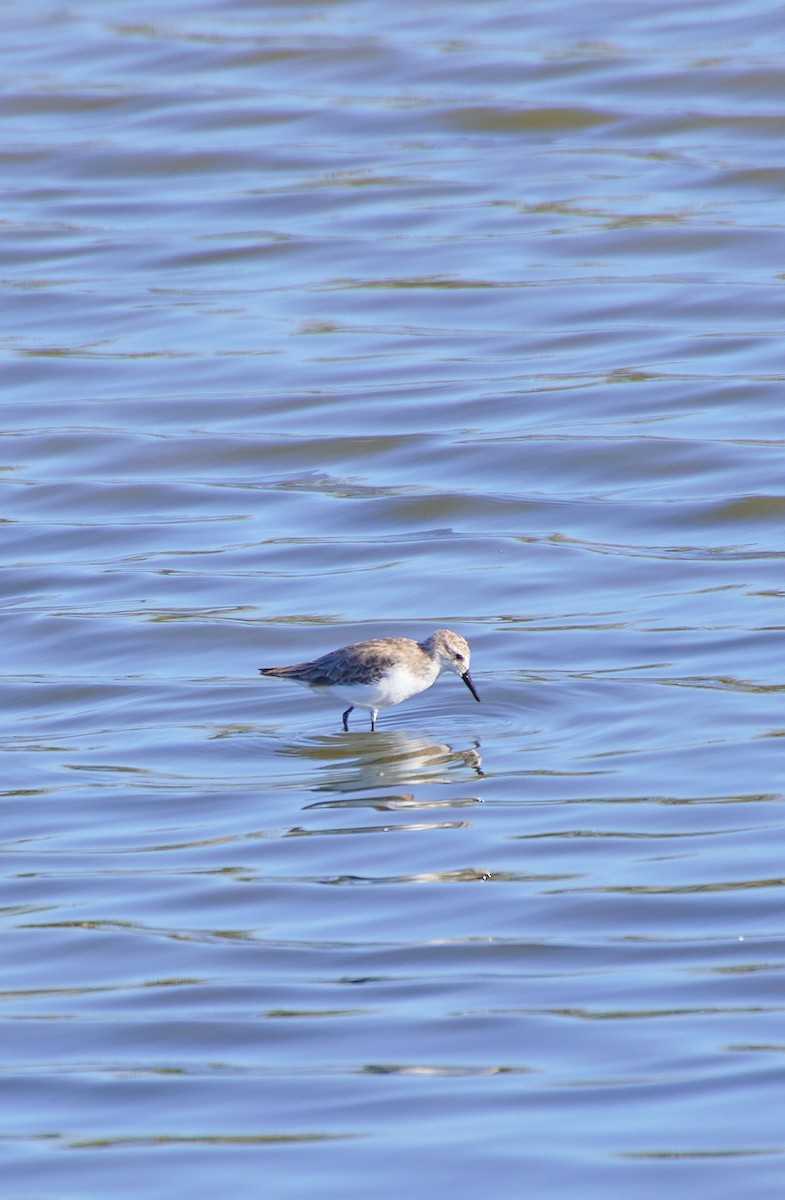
(459, 658)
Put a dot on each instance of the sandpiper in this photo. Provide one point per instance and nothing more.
(383, 671)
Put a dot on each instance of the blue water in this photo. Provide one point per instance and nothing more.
(333, 321)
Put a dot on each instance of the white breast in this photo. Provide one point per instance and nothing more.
(395, 685)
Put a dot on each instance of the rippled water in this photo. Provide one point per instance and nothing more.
(326, 321)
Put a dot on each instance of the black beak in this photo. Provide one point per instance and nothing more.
(467, 679)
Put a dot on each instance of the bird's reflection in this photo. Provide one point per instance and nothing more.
(385, 760)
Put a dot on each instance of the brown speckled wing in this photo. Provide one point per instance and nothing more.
(363, 663)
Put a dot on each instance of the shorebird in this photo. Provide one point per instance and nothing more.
(383, 671)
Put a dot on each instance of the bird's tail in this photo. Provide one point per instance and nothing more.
(284, 672)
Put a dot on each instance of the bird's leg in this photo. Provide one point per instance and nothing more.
(346, 719)
(374, 715)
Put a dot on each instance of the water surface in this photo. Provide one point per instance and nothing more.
(330, 321)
